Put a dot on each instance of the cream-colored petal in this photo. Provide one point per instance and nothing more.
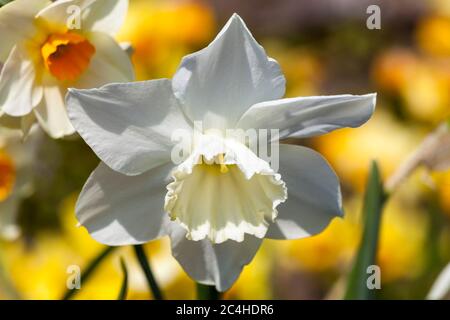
(105, 16)
(220, 201)
(51, 113)
(59, 14)
(17, 23)
(110, 63)
(95, 15)
(18, 90)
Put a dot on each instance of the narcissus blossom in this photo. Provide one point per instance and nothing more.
(47, 47)
(222, 199)
(16, 167)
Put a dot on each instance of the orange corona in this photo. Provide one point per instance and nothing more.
(67, 55)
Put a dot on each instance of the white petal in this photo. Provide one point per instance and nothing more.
(314, 196)
(309, 116)
(60, 12)
(213, 264)
(96, 15)
(18, 92)
(51, 113)
(105, 16)
(121, 210)
(109, 64)
(129, 126)
(17, 23)
(219, 83)
(442, 285)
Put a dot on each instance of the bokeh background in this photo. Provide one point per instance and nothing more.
(323, 47)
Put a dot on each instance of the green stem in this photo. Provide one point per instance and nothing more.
(92, 266)
(124, 287)
(205, 292)
(143, 261)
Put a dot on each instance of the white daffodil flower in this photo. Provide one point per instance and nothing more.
(221, 201)
(16, 167)
(47, 47)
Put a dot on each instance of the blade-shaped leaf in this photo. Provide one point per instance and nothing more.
(374, 200)
(124, 287)
(205, 292)
(3, 2)
(151, 281)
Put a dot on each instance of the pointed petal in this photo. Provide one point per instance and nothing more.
(60, 12)
(213, 264)
(309, 116)
(105, 16)
(96, 15)
(121, 210)
(129, 126)
(219, 83)
(109, 64)
(18, 92)
(314, 195)
(17, 23)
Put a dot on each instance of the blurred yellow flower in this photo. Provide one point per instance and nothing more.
(402, 242)
(39, 270)
(427, 93)
(302, 69)
(162, 32)
(382, 138)
(433, 35)
(255, 280)
(442, 182)
(330, 250)
(400, 251)
(393, 68)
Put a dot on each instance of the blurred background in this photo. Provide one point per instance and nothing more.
(324, 47)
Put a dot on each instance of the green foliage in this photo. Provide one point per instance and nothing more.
(124, 288)
(373, 205)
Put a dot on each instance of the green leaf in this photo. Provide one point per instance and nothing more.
(124, 287)
(3, 2)
(143, 261)
(205, 292)
(374, 201)
(92, 266)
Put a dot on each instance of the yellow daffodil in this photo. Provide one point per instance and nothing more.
(162, 32)
(333, 250)
(383, 138)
